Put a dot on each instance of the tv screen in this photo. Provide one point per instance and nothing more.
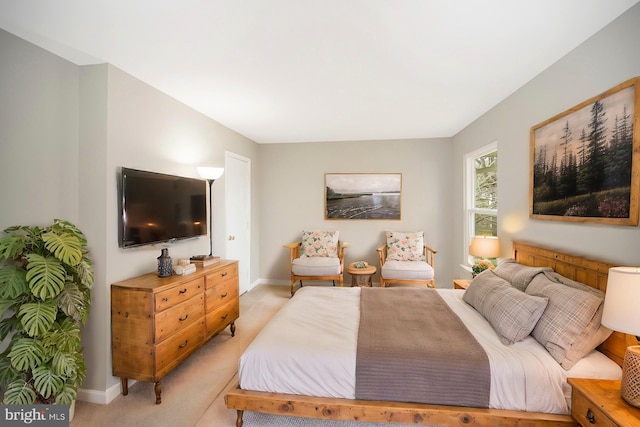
(157, 208)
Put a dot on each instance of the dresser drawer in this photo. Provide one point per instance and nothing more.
(221, 294)
(178, 317)
(588, 414)
(178, 294)
(218, 319)
(226, 273)
(177, 347)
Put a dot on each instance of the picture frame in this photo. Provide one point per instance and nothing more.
(584, 162)
(363, 196)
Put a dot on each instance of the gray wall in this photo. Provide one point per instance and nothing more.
(292, 197)
(607, 59)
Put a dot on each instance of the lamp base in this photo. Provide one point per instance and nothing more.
(630, 388)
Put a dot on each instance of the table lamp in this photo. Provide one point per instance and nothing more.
(622, 313)
(484, 247)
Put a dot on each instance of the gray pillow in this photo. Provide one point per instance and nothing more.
(570, 327)
(517, 274)
(512, 313)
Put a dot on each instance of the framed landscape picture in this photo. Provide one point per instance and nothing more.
(584, 161)
(363, 195)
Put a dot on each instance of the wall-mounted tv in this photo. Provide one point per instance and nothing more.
(156, 208)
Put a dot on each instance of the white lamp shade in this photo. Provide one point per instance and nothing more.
(485, 247)
(622, 301)
(210, 172)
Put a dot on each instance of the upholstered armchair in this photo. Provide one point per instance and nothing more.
(318, 256)
(405, 259)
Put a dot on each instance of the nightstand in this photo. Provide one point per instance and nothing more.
(461, 283)
(598, 402)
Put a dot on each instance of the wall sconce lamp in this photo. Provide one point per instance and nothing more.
(622, 313)
(210, 174)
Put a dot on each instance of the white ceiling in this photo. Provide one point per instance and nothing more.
(321, 70)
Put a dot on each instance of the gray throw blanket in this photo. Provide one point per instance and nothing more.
(413, 348)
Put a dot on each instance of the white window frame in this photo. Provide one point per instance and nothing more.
(469, 187)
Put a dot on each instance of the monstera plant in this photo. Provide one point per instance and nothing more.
(45, 295)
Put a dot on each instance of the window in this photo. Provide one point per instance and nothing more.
(481, 191)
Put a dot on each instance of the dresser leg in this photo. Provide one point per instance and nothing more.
(233, 329)
(158, 389)
(125, 386)
(239, 419)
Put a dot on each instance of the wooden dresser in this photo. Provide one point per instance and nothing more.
(157, 322)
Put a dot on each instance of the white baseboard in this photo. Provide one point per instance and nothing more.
(272, 282)
(101, 397)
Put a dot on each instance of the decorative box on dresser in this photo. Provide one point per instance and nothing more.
(157, 322)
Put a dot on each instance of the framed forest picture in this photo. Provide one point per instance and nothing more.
(585, 161)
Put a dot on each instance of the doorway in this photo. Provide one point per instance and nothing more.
(238, 215)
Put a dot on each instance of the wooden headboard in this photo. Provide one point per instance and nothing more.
(590, 272)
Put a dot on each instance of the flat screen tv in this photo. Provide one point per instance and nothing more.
(156, 208)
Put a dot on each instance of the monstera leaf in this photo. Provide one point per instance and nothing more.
(13, 282)
(27, 354)
(19, 392)
(84, 272)
(65, 247)
(67, 395)
(11, 243)
(7, 325)
(64, 338)
(7, 372)
(38, 317)
(46, 276)
(46, 382)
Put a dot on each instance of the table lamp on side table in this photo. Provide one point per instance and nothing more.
(622, 313)
(484, 247)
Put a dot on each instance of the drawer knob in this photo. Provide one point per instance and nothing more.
(224, 273)
(165, 299)
(590, 417)
(184, 291)
(223, 295)
(185, 344)
(225, 316)
(182, 319)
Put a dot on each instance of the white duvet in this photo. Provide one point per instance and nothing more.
(309, 348)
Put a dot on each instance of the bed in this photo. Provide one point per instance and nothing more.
(328, 393)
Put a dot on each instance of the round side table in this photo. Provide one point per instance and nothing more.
(361, 276)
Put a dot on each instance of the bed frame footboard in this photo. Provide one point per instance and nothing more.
(391, 412)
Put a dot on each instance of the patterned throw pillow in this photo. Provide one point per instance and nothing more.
(570, 326)
(405, 246)
(512, 313)
(319, 243)
(517, 274)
